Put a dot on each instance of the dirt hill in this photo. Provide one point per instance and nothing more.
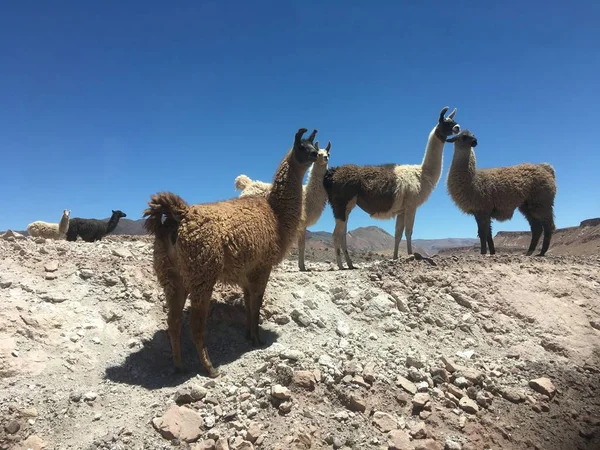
(454, 352)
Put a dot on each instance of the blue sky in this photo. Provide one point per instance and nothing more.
(105, 103)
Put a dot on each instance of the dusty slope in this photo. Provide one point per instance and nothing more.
(85, 362)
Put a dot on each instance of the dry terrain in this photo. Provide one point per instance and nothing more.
(451, 352)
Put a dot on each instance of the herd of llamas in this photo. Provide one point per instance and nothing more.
(196, 246)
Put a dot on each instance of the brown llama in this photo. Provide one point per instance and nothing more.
(236, 242)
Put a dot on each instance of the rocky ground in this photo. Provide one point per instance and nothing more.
(453, 352)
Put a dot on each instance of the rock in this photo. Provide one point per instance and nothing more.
(418, 431)
(543, 386)
(90, 396)
(462, 299)
(221, 444)
(305, 379)
(208, 444)
(13, 235)
(12, 427)
(461, 382)
(292, 355)
(110, 280)
(189, 394)
(595, 324)
(327, 361)
(452, 445)
(439, 375)
(384, 421)
(280, 392)
(420, 400)
(5, 284)
(253, 432)
(512, 395)
(51, 276)
(450, 365)
(86, 274)
(240, 444)
(180, 423)
(468, 405)
(356, 403)
(122, 252)
(286, 407)
(32, 443)
(415, 361)
(54, 297)
(379, 306)
(399, 440)
(300, 318)
(343, 329)
(52, 266)
(428, 444)
(473, 375)
(369, 373)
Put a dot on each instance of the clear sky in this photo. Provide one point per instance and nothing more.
(104, 103)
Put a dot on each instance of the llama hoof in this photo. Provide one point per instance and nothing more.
(212, 372)
(529, 253)
(304, 269)
(540, 255)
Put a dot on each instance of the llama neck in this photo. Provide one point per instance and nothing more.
(463, 164)
(112, 223)
(285, 198)
(315, 195)
(432, 161)
(63, 225)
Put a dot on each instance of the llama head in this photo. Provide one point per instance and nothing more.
(305, 151)
(323, 154)
(118, 213)
(66, 212)
(465, 140)
(446, 125)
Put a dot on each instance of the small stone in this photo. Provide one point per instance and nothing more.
(398, 440)
(280, 392)
(512, 395)
(462, 299)
(305, 379)
(418, 431)
(110, 280)
(292, 355)
(595, 324)
(439, 375)
(407, 385)
(54, 298)
(356, 403)
(180, 423)
(384, 421)
(209, 421)
(415, 361)
(468, 405)
(428, 444)
(343, 329)
(450, 365)
(461, 382)
(208, 444)
(543, 386)
(51, 276)
(420, 400)
(253, 432)
(75, 397)
(122, 252)
(12, 427)
(286, 407)
(221, 444)
(90, 396)
(300, 318)
(52, 266)
(452, 445)
(33, 443)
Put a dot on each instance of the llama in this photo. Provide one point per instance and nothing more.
(313, 193)
(91, 230)
(235, 241)
(387, 190)
(496, 193)
(50, 230)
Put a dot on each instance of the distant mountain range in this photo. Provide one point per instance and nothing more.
(584, 239)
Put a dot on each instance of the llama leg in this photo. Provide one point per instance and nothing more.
(248, 305)
(257, 287)
(483, 228)
(345, 244)
(301, 247)
(200, 302)
(175, 295)
(549, 227)
(490, 241)
(409, 219)
(536, 227)
(338, 233)
(398, 234)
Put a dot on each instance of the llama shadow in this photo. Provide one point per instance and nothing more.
(151, 367)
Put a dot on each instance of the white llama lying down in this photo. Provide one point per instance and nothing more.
(50, 230)
(314, 196)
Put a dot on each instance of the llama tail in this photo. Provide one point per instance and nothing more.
(549, 168)
(242, 182)
(164, 203)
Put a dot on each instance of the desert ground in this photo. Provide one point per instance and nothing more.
(456, 351)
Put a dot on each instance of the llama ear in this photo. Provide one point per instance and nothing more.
(299, 135)
(311, 138)
(328, 148)
(444, 110)
(451, 115)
